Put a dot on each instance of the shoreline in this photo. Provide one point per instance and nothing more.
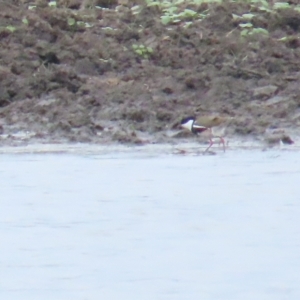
(179, 148)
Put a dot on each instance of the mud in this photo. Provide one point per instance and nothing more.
(70, 74)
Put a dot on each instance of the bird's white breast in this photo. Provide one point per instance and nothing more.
(188, 125)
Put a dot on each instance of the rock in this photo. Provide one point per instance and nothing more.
(277, 136)
(276, 100)
(265, 91)
(287, 140)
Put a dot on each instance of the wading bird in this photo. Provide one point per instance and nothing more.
(205, 126)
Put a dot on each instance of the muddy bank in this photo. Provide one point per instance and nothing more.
(107, 72)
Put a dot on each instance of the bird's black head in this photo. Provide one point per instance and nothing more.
(185, 120)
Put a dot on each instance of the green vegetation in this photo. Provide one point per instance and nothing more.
(244, 22)
(52, 4)
(73, 22)
(10, 28)
(25, 21)
(173, 12)
(142, 50)
(184, 13)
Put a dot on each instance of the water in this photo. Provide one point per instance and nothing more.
(133, 226)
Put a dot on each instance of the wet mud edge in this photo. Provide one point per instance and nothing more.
(63, 84)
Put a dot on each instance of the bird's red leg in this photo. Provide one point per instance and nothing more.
(210, 140)
(222, 141)
(210, 144)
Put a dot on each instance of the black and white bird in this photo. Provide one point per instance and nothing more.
(205, 126)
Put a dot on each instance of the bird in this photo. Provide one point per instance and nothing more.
(204, 126)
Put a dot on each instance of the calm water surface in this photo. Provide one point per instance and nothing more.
(132, 226)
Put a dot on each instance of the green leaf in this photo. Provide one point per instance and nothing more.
(236, 17)
(281, 5)
(170, 10)
(149, 50)
(285, 38)
(154, 3)
(107, 28)
(135, 9)
(176, 20)
(262, 2)
(244, 32)
(248, 16)
(25, 21)
(80, 23)
(52, 4)
(166, 19)
(259, 31)
(264, 9)
(71, 21)
(189, 13)
(187, 24)
(167, 4)
(246, 25)
(10, 28)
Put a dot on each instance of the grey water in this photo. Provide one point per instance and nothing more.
(132, 226)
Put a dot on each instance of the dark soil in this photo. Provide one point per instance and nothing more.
(64, 82)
